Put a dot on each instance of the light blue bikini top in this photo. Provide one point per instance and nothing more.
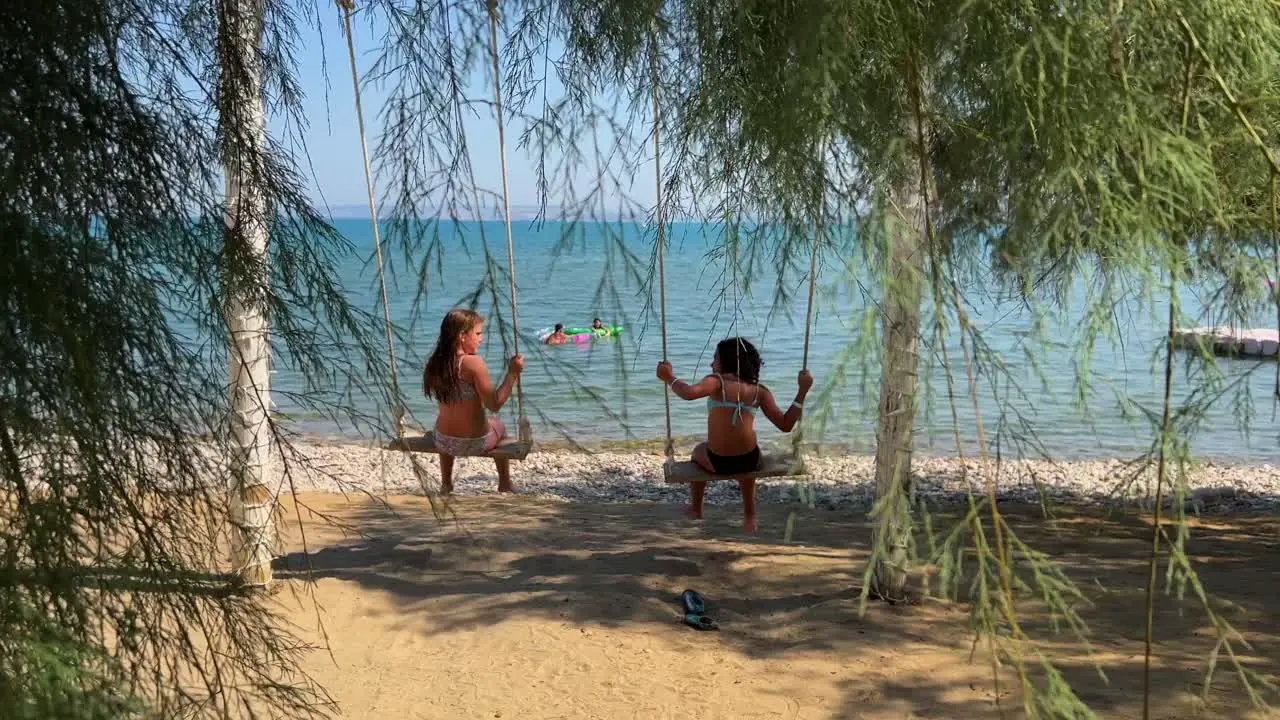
(738, 406)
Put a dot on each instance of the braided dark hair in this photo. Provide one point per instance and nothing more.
(738, 356)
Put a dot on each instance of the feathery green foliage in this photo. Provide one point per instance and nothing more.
(114, 454)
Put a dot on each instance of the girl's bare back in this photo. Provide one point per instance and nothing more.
(464, 417)
(727, 434)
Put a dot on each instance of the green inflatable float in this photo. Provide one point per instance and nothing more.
(582, 334)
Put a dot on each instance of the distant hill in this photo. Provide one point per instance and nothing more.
(518, 212)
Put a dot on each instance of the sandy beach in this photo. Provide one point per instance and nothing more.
(528, 608)
(561, 600)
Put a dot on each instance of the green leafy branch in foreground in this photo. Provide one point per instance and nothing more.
(114, 451)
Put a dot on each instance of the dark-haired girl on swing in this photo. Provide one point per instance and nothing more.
(733, 392)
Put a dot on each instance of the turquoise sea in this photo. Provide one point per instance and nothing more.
(606, 390)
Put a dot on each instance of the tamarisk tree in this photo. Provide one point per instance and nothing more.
(242, 117)
(136, 194)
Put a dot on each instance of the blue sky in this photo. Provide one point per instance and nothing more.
(332, 138)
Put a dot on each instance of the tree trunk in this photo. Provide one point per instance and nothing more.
(243, 120)
(898, 373)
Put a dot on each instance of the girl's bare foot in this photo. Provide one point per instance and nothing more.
(692, 514)
(749, 524)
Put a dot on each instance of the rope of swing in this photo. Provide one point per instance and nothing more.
(813, 277)
(819, 228)
(661, 242)
(506, 201)
(660, 219)
(348, 9)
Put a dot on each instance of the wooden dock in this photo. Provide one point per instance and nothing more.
(1230, 341)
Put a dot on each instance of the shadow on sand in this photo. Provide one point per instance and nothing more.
(623, 566)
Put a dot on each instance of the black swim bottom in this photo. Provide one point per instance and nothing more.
(734, 464)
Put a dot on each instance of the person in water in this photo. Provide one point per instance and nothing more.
(733, 392)
(458, 380)
(558, 337)
(598, 327)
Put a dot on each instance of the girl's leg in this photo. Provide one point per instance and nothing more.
(748, 488)
(497, 431)
(446, 473)
(701, 459)
(698, 489)
(504, 474)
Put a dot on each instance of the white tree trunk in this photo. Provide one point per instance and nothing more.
(898, 375)
(243, 119)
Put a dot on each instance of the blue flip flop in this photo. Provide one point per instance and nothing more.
(694, 607)
(693, 602)
(700, 622)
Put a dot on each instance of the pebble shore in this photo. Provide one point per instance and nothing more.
(843, 482)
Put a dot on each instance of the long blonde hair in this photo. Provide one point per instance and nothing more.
(440, 378)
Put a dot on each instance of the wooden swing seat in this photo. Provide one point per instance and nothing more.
(771, 466)
(512, 449)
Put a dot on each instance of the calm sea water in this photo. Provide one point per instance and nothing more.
(606, 389)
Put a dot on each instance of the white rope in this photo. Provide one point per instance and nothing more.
(348, 9)
(397, 412)
(797, 439)
(820, 213)
(661, 239)
(813, 277)
(506, 202)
